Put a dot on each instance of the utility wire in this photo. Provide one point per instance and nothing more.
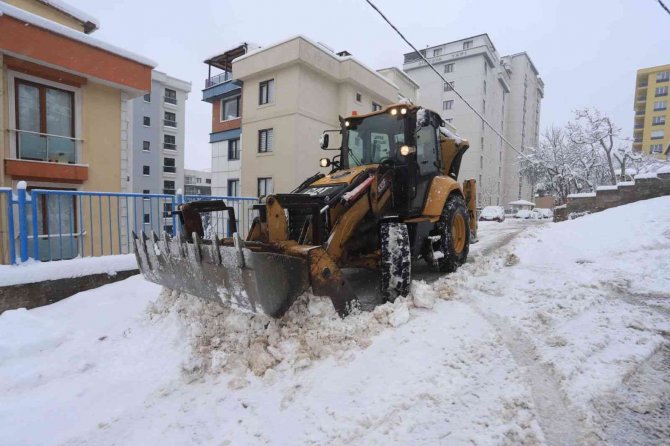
(660, 2)
(452, 87)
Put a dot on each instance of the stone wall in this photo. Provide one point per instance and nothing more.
(623, 193)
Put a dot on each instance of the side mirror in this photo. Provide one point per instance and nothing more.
(325, 162)
(323, 142)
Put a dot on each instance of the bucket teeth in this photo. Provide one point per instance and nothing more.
(216, 254)
(197, 247)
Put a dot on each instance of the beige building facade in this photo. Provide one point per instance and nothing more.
(291, 92)
(652, 126)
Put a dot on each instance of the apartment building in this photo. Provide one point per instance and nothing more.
(159, 122)
(64, 105)
(197, 182)
(507, 91)
(652, 128)
(285, 95)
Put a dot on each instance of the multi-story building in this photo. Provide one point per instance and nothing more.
(158, 146)
(283, 97)
(507, 91)
(652, 129)
(64, 107)
(197, 182)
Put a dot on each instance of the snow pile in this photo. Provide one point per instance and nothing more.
(224, 340)
(32, 271)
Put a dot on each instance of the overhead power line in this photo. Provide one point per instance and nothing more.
(445, 81)
(660, 2)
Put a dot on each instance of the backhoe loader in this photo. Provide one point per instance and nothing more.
(391, 198)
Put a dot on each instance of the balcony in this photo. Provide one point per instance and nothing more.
(169, 123)
(170, 100)
(639, 112)
(641, 98)
(218, 79)
(642, 84)
(169, 146)
(639, 126)
(219, 90)
(169, 169)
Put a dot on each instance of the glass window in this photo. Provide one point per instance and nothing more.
(170, 96)
(146, 146)
(447, 105)
(170, 119)
(467, 44)
(234, 188)
(426, 144)
(359, 97)
(266, 93)
(265, 186)
(656, 148)
(449, 68)
(437, 52)
(265, 140)
(660, 105)
(230, 109)
(662, 91)
(147, 97)
(657, 134)
(147, 121)
(169, 142)
(146, 170)
(234, 149)
(169, 165)
(169, 187)
(374, 139)
(662, 76)
(658, 120)
(208, 181)
(43, 110)
(376, 107)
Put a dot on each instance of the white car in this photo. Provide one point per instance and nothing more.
(544, 213)
(492, 213)
(524, 214)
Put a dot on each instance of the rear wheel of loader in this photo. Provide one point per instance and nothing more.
(396, 261)
(454, 231)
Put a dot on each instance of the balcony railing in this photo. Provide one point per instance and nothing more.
(169, 146)
(637, 140)
(170, 100)
(642, 98)
(169, 123)
(169, 169)
(642, 84)
(639, 126)
(639, 112)
(38, 146)
(218, 79)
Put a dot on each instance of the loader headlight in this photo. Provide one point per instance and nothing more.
(406, 150)
(403, 111)
(324, 162)
(346, 123)
(394, 111)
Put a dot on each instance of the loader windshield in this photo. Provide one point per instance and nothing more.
(374, 139)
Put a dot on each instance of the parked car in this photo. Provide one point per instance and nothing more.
(492, 213)
(524, 214)
(544, 213)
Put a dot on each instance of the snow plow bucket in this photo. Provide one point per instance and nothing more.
(253, 279)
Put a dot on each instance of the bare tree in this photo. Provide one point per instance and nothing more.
(593, 130)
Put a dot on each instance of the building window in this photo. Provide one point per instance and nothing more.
(437, 52)
(481, 161)
(266, 92)
(486, 67)
(265, 140)
(146, 170)
(656, 148)
(169, 165)
(264, 186)
(147, 97)
(230, 108)
(234, 188)
(449, 120)
(170, 96)
(359, 97)
(447, 105)
(170, 142)
(147, 219)
(169, 187)
(234, 149)
(208, 181)
(147, 121)
(198, 180)
(376, 107)
(662, 91)
(483, 105)
(167, 210)
(449, 86)
(484, 87)
(658, 120)
(663, 76)
(660, 105)
(170, 119)
(657, 134)
(146, 191)
(467, 44)
(146, 146)
(449, 68)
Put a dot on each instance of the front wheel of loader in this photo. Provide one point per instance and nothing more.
(396, 261)
(454, 231)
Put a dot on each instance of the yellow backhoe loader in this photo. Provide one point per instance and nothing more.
(391, 198)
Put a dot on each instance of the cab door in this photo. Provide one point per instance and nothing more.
(426, 166)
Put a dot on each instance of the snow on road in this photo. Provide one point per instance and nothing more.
(554, 333)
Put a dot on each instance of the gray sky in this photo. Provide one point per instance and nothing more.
(587, 51)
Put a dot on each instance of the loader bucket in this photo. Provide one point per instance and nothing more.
(251, 280)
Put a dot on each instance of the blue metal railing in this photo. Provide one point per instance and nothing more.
(64, 224)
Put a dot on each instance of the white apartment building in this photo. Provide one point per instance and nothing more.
(274, 105)
(507, 91)
(197, 182)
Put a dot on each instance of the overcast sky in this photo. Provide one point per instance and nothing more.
(587, 51)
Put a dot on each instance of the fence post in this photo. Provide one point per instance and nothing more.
(175, 220)
(23, 220)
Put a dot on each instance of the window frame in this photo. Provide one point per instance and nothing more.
(269, 95)
(237, 149)
(235, 181)
(268, 147)
(448, 104)
(167, 166)
(166, 120)
(449, 67)
(376, 107)
(467, 44)
(169, 98)
(146, 146)
(222, 115)
(146, 170)
(146, 119)
(265, 181)
(174, 143)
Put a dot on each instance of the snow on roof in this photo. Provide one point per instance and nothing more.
(664, 169)
(72, 12)
(450, 134)
(57, 28)
(582, 195)
(322, 48)
(521, 203)
(629, 171)
(607, 187)
(626, 183)
(645, 176)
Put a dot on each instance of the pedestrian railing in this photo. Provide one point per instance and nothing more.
(47, 225)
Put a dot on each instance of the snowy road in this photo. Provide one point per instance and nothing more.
(552, 334)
